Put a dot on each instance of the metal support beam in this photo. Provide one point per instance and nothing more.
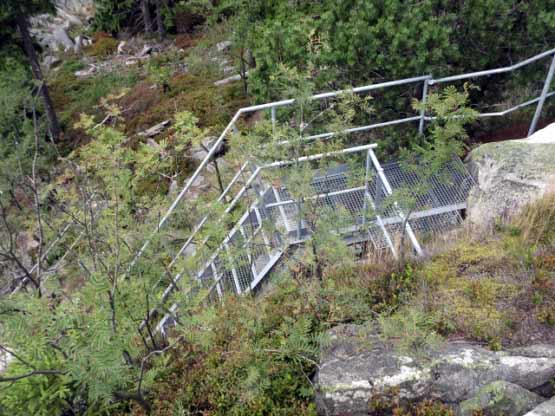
(273, 115)
(389, 190)
(366, 180)
(423, 109)
(233, 271)
(543, 96)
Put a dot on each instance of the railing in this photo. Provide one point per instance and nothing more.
(421, 119)
(240, 262)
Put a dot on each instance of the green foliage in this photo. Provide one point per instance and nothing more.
(256, 356)
(43, 395)
(17, 140)
(389, 404)
(73, 96)
(159, 75)
(86, 332)
(112, 15)
(356, 41)
(10, 9)
(411, 330)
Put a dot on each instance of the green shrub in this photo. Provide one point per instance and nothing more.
(41, 395)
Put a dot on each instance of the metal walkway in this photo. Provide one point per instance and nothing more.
(275, 222)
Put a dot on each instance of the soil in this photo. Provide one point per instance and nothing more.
(514, 131)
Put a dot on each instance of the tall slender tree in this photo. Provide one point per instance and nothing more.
(14, 23)
(160, 18)
(147, 18)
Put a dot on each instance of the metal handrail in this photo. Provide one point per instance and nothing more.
(426, 80)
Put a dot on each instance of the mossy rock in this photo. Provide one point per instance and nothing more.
(509, 175)
(500, 398)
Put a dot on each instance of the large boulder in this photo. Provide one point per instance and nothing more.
(51, 31)
(545, 409)
(510, 175)
(358, 367)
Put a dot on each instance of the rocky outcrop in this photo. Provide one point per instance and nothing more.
(510, 175)
(52, 31)
(357, 367)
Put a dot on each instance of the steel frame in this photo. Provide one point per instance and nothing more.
(212, 268)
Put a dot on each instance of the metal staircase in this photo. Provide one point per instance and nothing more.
(273, 222)
(256, 248)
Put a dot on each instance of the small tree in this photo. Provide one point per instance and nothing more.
(428, 158)
(82, 348)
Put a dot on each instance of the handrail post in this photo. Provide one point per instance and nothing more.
(423, 109)
(366, 181)
(273, 112)
(543, 96)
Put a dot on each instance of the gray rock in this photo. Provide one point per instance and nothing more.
(69, 18)
(156, 130)
(121, 47)
(229, 69)
(223, 46)
(60, 38)
(535, 351)
(200, 151)
(84, 9)
(84, 73)
(4, 361)
(500, 398)
(50, 61)
(51, 30)
(545, 409)
(199, 186)
(146, 51)
(358, 366)
(508, 176)
(80, 42)
(228, 80)
(174, 188)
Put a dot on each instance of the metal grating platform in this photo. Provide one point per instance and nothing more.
(273, 222)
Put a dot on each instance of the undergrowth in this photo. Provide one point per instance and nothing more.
(259, 355)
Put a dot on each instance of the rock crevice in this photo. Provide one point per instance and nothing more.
(357, 368)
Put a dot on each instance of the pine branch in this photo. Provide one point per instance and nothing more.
(31, 374)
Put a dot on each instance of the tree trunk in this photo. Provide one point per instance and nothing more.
(159, 19)
(147, 19)
(53, 124)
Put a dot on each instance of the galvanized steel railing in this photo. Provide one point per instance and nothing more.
(421, 118)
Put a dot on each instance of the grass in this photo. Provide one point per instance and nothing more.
(146, 105)
(73, 96)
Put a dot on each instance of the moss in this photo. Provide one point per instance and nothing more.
(103, 45)
(499, 398)
(147, 106)
(73, 96)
